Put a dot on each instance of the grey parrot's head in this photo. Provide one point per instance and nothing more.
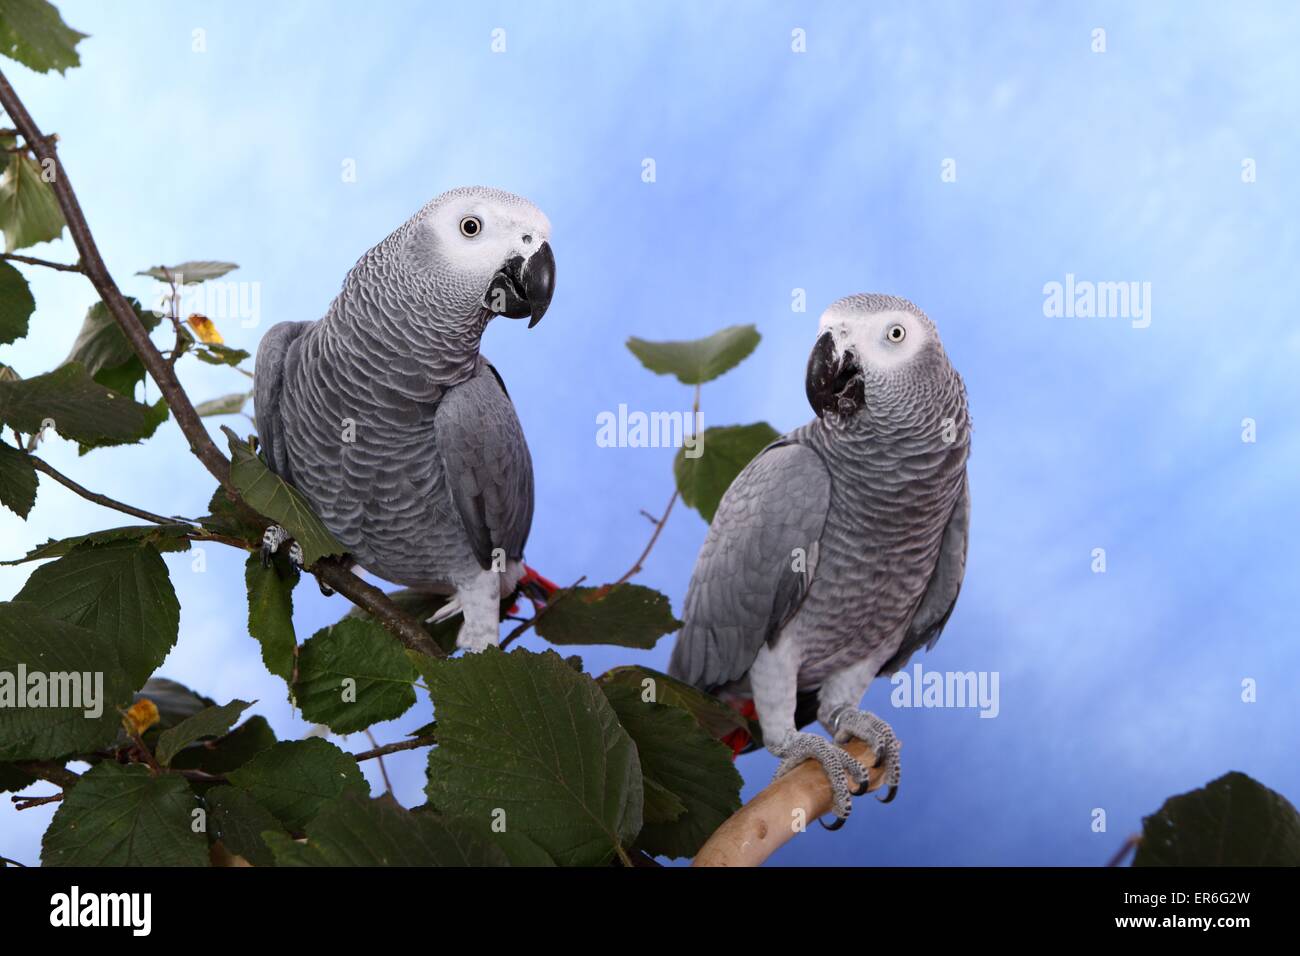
(477, 249)
(878, 359)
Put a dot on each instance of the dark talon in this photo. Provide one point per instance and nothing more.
(893, 792)
(857, 790)
(839, 822)
(266, 556)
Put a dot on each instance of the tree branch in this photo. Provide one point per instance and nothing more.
(33, 261)
(50, 772)
(414, 743)
(375, 602)
(783, 808)
(93, 266)
(363, 595)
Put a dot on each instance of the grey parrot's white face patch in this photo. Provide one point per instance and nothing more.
(880, 340)
(474, 233)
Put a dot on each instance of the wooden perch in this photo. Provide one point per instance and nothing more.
(768, 821)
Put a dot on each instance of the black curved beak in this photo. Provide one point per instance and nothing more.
(833, 383)
(523, 287)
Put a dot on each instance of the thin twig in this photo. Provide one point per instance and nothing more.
(26, 803)
(553, 600)
(639, 564)
(5, 861)
(379, 758)
(659, 527)
(413, 744)
(46, 468)
(1129, 845)
(33, 261)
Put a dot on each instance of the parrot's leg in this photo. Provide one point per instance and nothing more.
(837, 709)
(479, 599)
(773, 679)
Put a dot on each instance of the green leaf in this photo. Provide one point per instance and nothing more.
(628, 615)
(265, 491)
(16, 304)
(120, 590)
(29, 213)
(681, 759)
(1231, 821)
(221, 355)
(190, 273)
(13, 779)
(209, 722)
(164, 537)
(17, 481)
(294, 779)
(699, 360)
(723, 455)
(230, 752)
(233, 518)
(270, 615)
(355, 832)
(102, 348)
(40, 644)
(712, 715)
(33, 33)
(124, 816)
(239, 821)
(231, 404)
(524, 735)
(80, 408)
(353, 674)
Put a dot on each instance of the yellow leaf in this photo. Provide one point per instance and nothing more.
(205, 330)
(142, 715)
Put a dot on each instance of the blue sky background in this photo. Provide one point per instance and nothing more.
(777, 171)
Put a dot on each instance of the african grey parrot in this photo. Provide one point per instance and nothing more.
(384, 415)
(839, 550)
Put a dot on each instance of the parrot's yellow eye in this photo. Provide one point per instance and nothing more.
(896, 333)
(471, 226)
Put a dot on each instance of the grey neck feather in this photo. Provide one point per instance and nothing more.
(414, 330)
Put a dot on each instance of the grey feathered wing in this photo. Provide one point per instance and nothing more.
(945, 584)
(489, 469)
(746, 587)
(268, 380)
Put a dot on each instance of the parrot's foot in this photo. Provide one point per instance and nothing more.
(848, 722)
(446, 612)
(840, 766)
(273, 540)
